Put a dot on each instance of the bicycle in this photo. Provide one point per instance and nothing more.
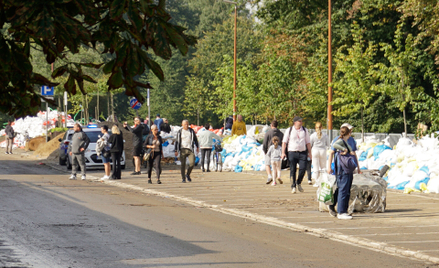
(217, 157)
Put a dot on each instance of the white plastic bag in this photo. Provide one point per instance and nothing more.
(325, 192)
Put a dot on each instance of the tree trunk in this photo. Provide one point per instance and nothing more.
(405, 123)
(108, 106)
(97, 106)
(112, 106)
(362, 124)
(198, 116)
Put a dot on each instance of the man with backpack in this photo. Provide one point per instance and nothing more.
(296, 143)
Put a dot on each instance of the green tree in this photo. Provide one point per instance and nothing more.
(355, 77)
(398, 77)
(126, 29)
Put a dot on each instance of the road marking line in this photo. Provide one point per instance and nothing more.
(382, 227)
(413, 242)
(398, 234)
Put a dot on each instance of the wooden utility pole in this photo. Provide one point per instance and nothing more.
(329, 71)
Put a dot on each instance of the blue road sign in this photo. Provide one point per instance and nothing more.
(135, 104)
(47, 91)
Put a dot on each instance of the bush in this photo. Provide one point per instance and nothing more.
(59, 129)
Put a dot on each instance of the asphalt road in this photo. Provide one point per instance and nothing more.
(47, 220)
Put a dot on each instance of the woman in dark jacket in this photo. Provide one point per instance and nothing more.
(116, 150)
(154, 144)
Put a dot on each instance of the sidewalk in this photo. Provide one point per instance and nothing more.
(409, 227)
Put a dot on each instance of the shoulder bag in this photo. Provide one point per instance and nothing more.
(348, 162)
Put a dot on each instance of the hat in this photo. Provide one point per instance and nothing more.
(297, 118)
(347, 125)
(158, 115)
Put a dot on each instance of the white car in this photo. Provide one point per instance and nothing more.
(91, 158)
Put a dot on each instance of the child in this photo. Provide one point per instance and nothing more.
(275, 153)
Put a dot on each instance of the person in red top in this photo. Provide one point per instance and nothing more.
(296, 143)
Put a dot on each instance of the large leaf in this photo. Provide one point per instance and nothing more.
(115, 80)
(176, 38)
(70, 85)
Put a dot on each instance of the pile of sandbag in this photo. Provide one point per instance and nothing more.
(33, 126)
(412, 167)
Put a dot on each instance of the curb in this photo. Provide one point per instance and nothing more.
(324, 233)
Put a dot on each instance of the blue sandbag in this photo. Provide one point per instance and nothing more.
(425, 169)
(166, 143)
(377, 150)
(363, 155)
(238, 169)
(418, 183)
(401, 186)
(197, 159)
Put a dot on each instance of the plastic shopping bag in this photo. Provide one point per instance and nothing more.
(326, 189)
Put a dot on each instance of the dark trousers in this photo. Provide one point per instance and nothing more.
(116, 171)
(294, 158)
(186, 153)
(154, 160)
(343, 192)
(308, 169)
(205, 153)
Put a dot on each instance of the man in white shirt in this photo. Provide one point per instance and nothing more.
(296, 143)
(186, 141)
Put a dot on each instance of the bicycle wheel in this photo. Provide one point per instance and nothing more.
(220, 162)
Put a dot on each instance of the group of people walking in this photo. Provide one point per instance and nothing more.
(296, 146)
(299, 148)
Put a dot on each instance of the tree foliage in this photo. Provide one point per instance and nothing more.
(128, 31)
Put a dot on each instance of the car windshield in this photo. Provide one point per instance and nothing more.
(94, 135)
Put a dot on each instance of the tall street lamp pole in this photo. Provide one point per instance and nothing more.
(234, 59)
(329, 71)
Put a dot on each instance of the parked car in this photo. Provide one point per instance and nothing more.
(91, 158)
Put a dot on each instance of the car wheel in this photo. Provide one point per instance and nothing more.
(69, 166)
(122, 166)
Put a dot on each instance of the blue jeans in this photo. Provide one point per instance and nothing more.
(343, 192)
(294, 158)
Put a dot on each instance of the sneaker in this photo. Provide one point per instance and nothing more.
(208, 170)
(300, 188)
(202, 170)
(280, 181)
(183, 180)
(136, 173)
(83, 178)
(73, 177)
(310, 182)
(105, 178)
(315, 185)
(293, 191)
(6, 153)
(274, 183)
(344, 216)
(188, 178)
(149, 181)
(269, 180)
(332, 211)
(159, 182)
